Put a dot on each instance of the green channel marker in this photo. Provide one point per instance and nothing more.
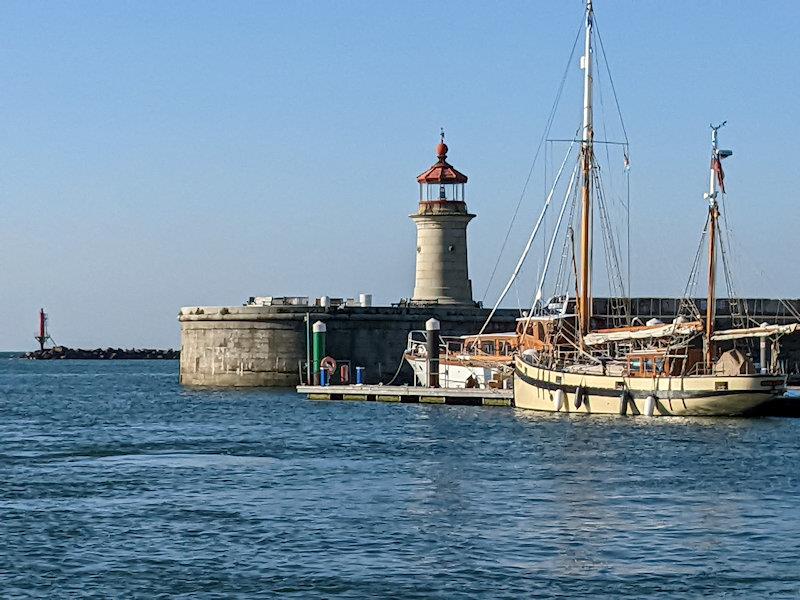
(320, 330)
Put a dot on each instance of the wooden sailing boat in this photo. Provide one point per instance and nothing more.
(653, 369)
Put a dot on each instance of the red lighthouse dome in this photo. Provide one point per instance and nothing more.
(442, 172)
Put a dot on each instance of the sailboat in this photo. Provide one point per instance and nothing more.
(468, 361)
(682, 368)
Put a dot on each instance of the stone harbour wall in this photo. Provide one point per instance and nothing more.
(251, 346)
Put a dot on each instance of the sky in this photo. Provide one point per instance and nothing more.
(164, 154)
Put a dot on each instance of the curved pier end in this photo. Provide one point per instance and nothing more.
(263, 346)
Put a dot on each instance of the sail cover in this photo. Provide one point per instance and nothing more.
(764, 330)
(641, 333)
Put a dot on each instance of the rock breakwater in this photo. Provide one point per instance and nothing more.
(62, 352)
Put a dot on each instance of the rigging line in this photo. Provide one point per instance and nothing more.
(609, 239)
(732, 258)
(611, 80)
(567, 195)
(628, 223)
(548, 125)
(527, 249)
(599, 87)
(686, 301)
(562, 267)
(734, 302)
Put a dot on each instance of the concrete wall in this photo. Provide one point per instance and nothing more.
(442, 272)
(263, 346)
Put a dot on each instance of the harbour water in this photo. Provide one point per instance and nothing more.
(117, 482)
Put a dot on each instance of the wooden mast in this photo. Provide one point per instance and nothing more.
(585, 300)
(713, 214)
(713, 218)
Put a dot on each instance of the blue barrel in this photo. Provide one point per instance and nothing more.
(359, 375)
(323, 377)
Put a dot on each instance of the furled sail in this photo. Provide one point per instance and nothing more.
(642, 333)
(764, 330)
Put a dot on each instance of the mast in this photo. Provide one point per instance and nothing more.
(585, 300)
(713, 217)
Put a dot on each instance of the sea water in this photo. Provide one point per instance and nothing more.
(117, 482)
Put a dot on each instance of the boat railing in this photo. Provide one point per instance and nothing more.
(699, 368)
(417, 344)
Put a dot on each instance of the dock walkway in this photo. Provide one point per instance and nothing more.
(410, 394)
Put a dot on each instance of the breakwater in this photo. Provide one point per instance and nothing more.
(250, 346)
(62, 352)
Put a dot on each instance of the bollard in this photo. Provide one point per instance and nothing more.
(359, 375)
(319, 348)
(432, 347)
(344, 374)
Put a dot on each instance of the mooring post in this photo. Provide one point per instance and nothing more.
(309, 380)
(319, 347)
(432, 347)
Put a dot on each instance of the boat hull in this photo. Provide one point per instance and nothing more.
(538, 388)
(454, 374)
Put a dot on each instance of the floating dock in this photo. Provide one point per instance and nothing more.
(410, 394)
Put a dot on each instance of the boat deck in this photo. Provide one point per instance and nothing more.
(410, 394)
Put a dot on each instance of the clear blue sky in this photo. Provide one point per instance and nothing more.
(161, 154)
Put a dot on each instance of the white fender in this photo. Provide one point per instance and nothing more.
(558, 400)
(650, 405)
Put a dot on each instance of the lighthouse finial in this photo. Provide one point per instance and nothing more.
(441, 149)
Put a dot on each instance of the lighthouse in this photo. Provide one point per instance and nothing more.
(442, 275)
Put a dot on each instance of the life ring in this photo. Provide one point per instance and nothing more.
(329, 364)
(421, 351)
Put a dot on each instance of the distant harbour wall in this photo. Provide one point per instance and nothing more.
(249, 346)
(264, 346)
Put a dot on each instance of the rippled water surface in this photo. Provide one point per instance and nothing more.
(116, 482)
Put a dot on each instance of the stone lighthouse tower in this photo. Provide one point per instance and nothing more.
(442, 274)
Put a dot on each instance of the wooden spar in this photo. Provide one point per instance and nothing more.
(712, 281)
(585, 298)
(585, 303)
(713, 217)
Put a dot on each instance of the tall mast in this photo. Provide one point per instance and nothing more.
(585, 300)
(713, 218)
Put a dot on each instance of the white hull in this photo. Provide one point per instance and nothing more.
(538, 388)
(453, 375)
